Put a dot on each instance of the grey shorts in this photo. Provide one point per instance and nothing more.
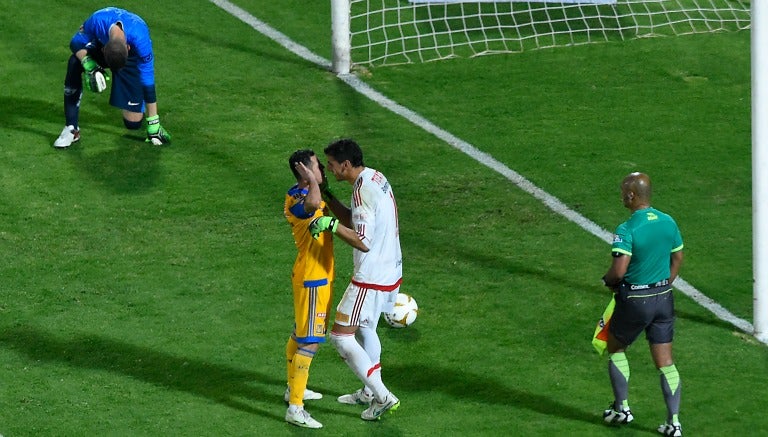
(652, 311)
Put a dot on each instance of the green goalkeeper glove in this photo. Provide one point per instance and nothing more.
(156, 134)
(321, 224)
(95, 77)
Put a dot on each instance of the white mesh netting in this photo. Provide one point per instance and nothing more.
(398, 31)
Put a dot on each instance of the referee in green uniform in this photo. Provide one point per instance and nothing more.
(647, 253)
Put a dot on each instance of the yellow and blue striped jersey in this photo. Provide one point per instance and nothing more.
(314, 261)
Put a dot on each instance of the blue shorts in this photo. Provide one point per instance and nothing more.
(127, 91)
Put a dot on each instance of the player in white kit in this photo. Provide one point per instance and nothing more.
(370, 226)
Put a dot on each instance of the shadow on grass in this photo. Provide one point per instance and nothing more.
(25, 115)
(482, 389)
(127, 166)
(527, 268)
(125, 169)
(213, 40)
(221, 384)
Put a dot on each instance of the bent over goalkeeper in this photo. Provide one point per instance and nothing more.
(119, 40)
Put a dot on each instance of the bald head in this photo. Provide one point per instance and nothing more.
(636, 191)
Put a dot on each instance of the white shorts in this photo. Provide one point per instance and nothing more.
(363, 306)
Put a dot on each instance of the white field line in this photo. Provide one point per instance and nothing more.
(549, 200)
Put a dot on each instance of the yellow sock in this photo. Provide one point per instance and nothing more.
(299, 376)
(290, 350)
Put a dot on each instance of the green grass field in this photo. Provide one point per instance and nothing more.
(145, 290)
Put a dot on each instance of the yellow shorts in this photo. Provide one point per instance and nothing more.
(311, 305)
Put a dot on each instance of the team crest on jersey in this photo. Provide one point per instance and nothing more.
(377, 177)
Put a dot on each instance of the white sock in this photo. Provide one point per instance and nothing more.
(369, 340)
(360, 363)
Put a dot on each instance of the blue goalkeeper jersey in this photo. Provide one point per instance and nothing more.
(96, 28)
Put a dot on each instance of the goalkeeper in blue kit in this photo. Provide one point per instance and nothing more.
(119, 40)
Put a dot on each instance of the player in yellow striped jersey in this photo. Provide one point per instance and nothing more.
(312, 280)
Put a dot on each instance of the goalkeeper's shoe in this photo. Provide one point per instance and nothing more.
(621, 417)
(300, 417)
(67, 137)
(309, 395)
(673, 429)
(359, 397)
(374, 412)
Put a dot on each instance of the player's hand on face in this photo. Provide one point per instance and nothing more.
(305, 172)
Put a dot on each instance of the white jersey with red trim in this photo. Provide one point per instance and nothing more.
(374, 218)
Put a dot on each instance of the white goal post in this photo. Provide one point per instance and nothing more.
(759, 53)
(385, 32)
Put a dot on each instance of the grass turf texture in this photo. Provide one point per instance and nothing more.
(146, 290)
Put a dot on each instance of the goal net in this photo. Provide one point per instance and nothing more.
(385, 32)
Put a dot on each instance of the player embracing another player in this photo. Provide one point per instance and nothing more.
(370, 226)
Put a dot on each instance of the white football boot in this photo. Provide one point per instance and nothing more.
(67, 137)
(300, 417)
(374, 412)
(359, 397)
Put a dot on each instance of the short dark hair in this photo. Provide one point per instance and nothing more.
(304, 156)
(346, 150)
(115, 53)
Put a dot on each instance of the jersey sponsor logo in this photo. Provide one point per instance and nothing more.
(651, 216)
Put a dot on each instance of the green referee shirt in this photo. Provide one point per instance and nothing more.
(649, 237)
